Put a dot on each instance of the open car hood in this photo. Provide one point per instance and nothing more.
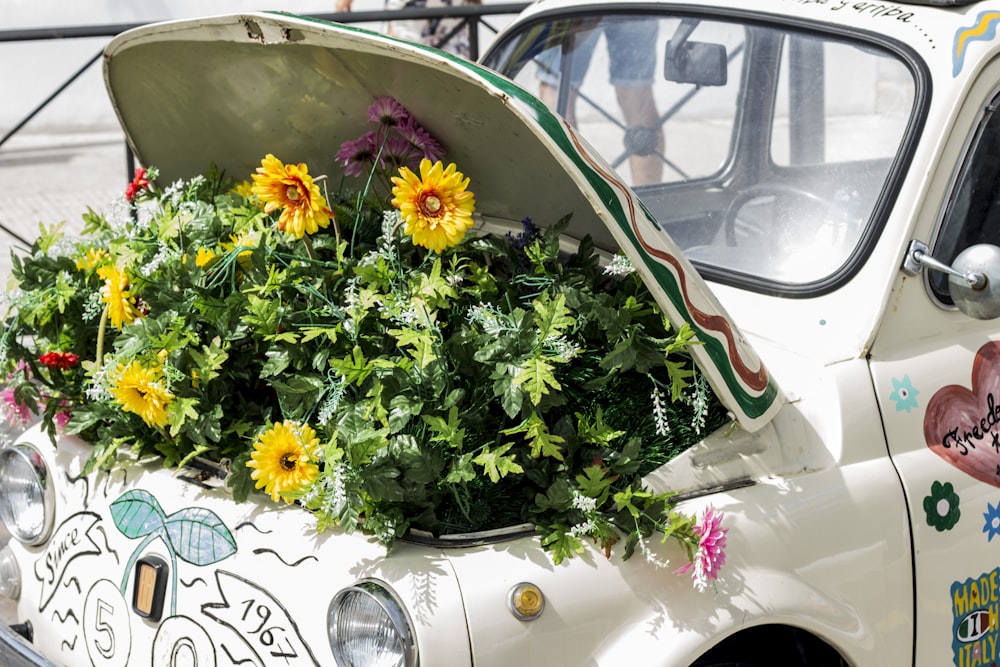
(228, 90)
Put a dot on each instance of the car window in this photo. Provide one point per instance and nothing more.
(762, 150)
(973, 212)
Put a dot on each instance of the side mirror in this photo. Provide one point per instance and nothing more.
(973, 278)
(699, 63)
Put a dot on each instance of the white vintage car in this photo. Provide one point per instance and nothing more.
(808, 184)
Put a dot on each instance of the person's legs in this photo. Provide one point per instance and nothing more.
(644, 134)
(632, 67)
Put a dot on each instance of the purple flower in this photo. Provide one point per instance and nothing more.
(387, 112)
(358, 155)
(529, 232)
(711, 554)
(61, 419)
(421, 139)
(400, 153)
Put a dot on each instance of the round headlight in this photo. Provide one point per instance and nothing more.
(27, 499)
(10, 574)
(368, 626)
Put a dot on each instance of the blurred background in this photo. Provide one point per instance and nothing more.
(68, 155)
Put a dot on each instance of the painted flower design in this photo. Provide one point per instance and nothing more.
(283, 459)
(290, 189)
(992, 517)
(140, 182)
(711, 554)
(59, 360)
(941, 506)
(142, 391)
(904, 394)
(436, 206)
(115, 293)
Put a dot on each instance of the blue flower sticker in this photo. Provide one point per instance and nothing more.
(904, 394)
(992, 516)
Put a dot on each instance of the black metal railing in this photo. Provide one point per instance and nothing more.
(471, 19)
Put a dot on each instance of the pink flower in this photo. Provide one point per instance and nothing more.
(16, 414)
(61, 419)
(358, 155)
(711, 554)
(399, 152)
(387, 111)
(421, 139)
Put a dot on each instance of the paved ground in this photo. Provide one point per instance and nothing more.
(50, 178)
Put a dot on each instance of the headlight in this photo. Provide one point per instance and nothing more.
(10, 574)
(27, 500)
(368, 626)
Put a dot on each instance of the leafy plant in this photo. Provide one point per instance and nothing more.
(383, 385)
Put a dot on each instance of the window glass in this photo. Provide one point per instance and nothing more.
(762, 150)
(973, 214)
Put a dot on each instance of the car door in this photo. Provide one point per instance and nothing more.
(936, 373)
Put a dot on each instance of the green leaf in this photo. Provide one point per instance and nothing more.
(422, 344)
(536, 377)
(594, 483)
(358, 439)
(432, 289)
(552, 317)
(354, 369)
(461, 470)
(310, 333)
(182, 409)
(536, 432)
(561, 543)
(277, 361)
(497, 463)
(209, 361)
(49, 235)
(637, 351)
(298, 394)
(449, 432)
(596, 432)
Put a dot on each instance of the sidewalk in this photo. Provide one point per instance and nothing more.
(50, 178)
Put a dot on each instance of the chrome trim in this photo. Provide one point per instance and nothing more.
(390, 605)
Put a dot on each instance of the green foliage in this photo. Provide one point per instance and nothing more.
(497, 383)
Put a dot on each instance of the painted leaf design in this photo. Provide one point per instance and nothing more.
(136, 513)
(199, 536)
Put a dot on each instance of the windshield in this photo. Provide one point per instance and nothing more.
(762, 151)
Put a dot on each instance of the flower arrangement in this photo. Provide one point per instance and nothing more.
(360, 353)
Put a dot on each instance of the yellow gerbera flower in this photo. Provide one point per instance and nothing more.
(291, 189)
(204, 256)
(142, 391)
(244, 189)
(436, 207)
(246, 239)
(90, 259)
(121, 304)
(282, 459)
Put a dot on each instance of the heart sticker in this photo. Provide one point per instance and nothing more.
(962, 425)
